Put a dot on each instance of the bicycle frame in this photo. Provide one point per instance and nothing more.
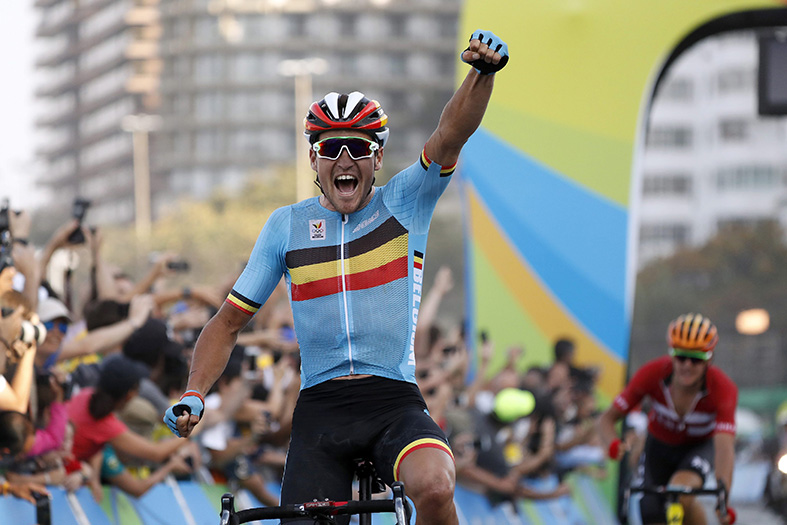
(319, 511)
(674, 510)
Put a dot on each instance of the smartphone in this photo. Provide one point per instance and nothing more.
(43, 509)
(78, 211)
(178, 266)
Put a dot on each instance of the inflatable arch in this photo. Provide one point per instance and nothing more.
(547, 181)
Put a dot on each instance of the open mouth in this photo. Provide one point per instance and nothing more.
(345, 184)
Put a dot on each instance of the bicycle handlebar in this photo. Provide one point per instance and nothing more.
(679, 490)
(315, 509)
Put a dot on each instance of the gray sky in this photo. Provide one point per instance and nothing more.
(17, 24)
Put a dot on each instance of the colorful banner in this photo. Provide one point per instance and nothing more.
(547, 181)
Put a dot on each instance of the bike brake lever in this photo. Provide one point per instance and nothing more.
(399, 504)
(228, 516)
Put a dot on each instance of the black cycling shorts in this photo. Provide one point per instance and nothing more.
(339, 421)
(660, 461)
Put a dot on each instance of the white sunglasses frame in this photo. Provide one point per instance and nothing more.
(375, 147)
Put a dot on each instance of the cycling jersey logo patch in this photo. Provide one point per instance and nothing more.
(317, 230)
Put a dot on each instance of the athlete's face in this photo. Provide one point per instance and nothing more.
(346, 182)
(689, 372)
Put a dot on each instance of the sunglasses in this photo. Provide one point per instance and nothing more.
(695, 357)
(61, 325)
(356, 147)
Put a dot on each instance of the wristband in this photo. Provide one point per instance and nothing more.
(186, 404)
(21, 241)
(193, 393)
(614, 449)
(6, 486)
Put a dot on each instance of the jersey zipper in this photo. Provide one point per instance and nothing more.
(346, 218)
(681, 419)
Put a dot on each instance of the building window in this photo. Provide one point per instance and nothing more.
(208, 144)
(397, 25)
(735, 81)
(398, 65)
(679, 90)
(347, 23)
(208, 67)
(675, 234)
(748, 178)
(734, 130)
(208, 106)
(670, 137)
(667, 185)
(742, 222)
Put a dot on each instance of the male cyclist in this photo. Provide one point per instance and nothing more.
(353, 261)
(691, 423)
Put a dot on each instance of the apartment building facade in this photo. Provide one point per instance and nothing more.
(710, 160)
(211, 69)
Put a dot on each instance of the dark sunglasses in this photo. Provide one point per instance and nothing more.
(61, 325)
(684, 358)
(358, 148)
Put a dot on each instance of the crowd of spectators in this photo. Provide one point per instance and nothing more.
(515, 434)
(88, 373)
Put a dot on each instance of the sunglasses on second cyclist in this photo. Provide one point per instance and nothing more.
(696, 358)
(357, 147)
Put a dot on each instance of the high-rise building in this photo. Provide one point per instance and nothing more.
(710, 160)
(215, 72)
(97, 62)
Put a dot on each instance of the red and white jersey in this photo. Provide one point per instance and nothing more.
(713, 410)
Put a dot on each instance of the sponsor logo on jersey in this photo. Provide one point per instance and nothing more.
(366, 222)
(725, 427)
(317, 229)
(418, 281)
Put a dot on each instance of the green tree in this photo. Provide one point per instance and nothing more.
(742, 267)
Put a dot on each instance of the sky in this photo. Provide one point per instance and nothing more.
(17, 26)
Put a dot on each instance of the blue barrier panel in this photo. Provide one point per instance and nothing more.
(14, 510)
(558, 510)
(93, 511)
(589, 495)
(60, 508)
(159, 505)
(203, 510)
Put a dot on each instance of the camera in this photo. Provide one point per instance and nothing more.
(178, 266)
(32, 333)
(5, 223)
(78, 211)
(5, 250)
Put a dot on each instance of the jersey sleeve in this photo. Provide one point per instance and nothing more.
(266, 264)
(726, 393)
(412, 194)
(644, 381)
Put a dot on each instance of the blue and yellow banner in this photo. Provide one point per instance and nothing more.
(547, 180)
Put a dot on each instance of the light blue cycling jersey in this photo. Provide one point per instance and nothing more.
(354, 281)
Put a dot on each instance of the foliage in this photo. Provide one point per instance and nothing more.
(740, 268)
(215, 236)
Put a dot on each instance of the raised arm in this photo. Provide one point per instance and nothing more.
(464, 111)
